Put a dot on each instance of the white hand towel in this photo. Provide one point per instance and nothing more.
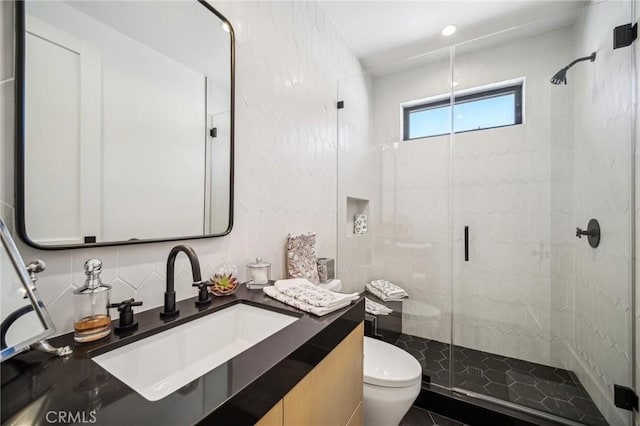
(311, 294)
(380, 295)
(271, 291)
(375, 308)
(389, 289)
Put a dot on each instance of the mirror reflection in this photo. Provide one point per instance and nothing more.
(127, 126)
(24, 319)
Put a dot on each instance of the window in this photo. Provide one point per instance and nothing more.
(486, 109)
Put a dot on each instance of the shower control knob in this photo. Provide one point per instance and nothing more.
(592, 232)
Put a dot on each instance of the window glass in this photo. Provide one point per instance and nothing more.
(477, 111)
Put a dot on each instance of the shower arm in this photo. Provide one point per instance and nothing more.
(591, 58)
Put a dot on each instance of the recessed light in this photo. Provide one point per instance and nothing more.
(225, 26)
(449, 29)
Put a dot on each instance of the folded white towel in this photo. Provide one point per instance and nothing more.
(311, 294)
(380, 295)
(375, 308)
(273, 292)
(389, 289)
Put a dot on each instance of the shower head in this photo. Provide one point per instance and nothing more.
(561, 76)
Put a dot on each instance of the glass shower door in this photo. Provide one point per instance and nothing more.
(541, 319)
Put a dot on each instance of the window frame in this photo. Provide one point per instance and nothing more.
(516, 89)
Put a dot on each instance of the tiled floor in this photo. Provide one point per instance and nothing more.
(419, 417)
(543, 388)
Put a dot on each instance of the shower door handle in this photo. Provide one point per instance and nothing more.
(466, 243)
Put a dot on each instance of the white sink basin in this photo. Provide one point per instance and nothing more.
(163, 363)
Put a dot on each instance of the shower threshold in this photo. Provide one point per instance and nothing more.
(526, 384)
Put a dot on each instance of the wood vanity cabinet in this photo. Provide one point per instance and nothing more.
(330, 395)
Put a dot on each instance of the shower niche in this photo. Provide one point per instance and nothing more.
(357, 217)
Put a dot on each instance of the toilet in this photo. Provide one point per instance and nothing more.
(392, 378)
(392, 381)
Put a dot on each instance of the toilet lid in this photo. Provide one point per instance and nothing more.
(389, 366)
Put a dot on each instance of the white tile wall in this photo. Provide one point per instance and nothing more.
(289, 58)
(602, 189)
(356, 179)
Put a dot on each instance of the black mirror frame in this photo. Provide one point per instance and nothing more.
(20, 167)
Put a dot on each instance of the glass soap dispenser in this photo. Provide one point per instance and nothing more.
(91, 305)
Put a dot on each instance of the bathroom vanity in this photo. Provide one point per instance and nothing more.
(309, 372)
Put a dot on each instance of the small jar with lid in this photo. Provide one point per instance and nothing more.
(92, 320)
(258, 274)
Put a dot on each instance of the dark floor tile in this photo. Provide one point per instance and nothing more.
(521, 377)
(563, 374)
(556, 390)
(586, 406)
(498, 391)
(594, 421)
(536, 386)
(444, 421)
(434, 355)
(442, 378)
(519, 365)
(473, 387)
(434, 345)
(417, 417)
(431, 366)
(473, 376)
(545, 373)
(531, 404)
(527, 391)
(416, 344)
(562, 408)
(416, 353)
(474, 358)
(496, 376)
(496, 364)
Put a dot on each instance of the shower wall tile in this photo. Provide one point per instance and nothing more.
(602, 190)
(288, 61)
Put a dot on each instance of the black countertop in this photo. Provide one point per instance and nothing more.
(38, 389)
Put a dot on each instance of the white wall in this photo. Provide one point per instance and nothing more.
(289, 58)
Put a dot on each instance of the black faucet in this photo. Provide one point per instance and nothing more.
(170, 293)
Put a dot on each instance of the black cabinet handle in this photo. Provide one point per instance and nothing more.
(466, 243)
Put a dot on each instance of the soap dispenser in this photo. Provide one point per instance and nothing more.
(91, 305)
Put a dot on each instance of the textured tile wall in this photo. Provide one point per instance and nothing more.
(357, 182)
(603, 135)
(289, 58)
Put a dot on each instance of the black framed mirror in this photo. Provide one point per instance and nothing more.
(124, 122)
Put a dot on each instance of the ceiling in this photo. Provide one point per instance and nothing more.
(391, 35)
